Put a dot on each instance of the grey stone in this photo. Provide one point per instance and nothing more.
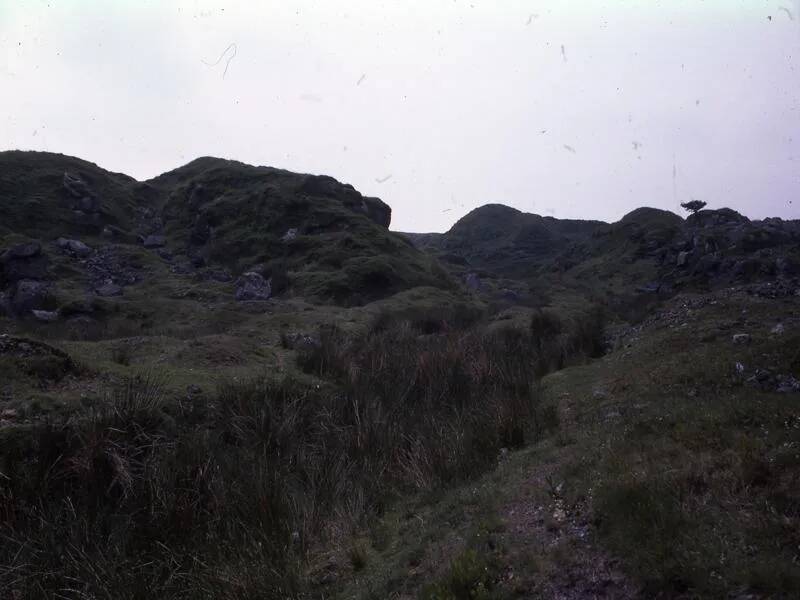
(45, 316)
(88, 204)
(74, 247)
(289, 235)
(788, 385)
(786, 266)
(741, 338)
(29, 250)
(165, 254)
(154, 241)
(76, 186)
(251, 286)
(778, 329)
(28, 295)
(109, 289)
(23, 261)
(509, 295)
(683, 259)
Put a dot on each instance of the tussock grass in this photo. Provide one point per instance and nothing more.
(129, 502)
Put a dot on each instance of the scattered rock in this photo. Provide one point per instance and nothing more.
(509, 295)
(25, 348)
(472, 281)
(193, 391)
(299, 341)
(108, 264)
(74, 247)
(109, 289)
(85, 199)
(741, 338)
(787, 384)
(251, 286)
(154, 241)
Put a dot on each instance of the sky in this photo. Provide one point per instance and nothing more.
(574, 109)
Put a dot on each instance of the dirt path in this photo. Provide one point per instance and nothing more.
(552, 546)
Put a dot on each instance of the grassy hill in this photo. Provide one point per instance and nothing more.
(235, 382)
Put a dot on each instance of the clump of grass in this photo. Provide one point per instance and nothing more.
(121, 355)
(468, 578)
(703, 505)
(357, 555)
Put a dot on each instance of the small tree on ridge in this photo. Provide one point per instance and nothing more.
(693, 206)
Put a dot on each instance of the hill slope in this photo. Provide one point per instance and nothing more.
(235, 382)
(319, 237)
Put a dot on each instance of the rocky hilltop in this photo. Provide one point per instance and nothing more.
(73, 232)
(650, 252)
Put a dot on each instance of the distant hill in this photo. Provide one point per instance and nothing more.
(503, 252)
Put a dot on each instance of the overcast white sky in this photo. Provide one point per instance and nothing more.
(573, 108)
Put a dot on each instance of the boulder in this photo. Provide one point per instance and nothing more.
(21, 251)
(707, 265)
(76, 186)
(45, 316)
(472, 281)
(154, 241)
(74, 247)
(683, 259)
(28, 295)
(251, 286)
(787, 266)
(746, 268)
(787, 384)
(509, 295)
(714, 218)
(109, 288)
(378, 211)
(23, 261)
(85, 199)
(289, 235)
(88, 204)
(741, 338)
(165, 254)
